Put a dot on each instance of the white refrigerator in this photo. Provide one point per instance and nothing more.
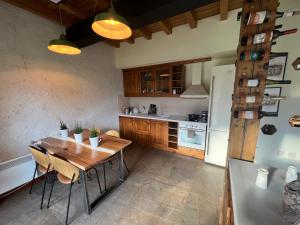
(221, 90)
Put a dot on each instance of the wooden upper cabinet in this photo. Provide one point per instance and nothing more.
(159, 134)
(154, 81)
(131, 83)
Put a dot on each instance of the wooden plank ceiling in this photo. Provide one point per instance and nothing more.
(145, 17)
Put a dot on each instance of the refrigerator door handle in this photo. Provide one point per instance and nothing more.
(207, 144)
(211, 99)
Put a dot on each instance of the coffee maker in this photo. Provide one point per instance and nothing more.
(152, 109)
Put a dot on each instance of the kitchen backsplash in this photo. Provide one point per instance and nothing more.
(167, 106)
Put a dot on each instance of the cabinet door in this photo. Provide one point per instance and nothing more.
(163, 81)
(131, 83)
(147, 83)
(142, 126)
(142, 131)
(127, 128)
(159, 134)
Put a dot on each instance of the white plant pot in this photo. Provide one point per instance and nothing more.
(94, 142)
(64, 133)
(78, 138)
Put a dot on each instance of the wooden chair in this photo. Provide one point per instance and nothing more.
(43, 165)
(66, 174)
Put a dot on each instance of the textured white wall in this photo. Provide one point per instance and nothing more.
(210, 38)
(38, 87)
(283, 148)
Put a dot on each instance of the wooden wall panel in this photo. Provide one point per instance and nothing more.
(243, 133)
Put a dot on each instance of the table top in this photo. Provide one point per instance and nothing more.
(83, 155)
(252, 205)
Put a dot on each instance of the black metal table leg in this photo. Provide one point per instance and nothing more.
(85, 195)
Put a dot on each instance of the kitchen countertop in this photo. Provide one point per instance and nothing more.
(252, 205)
(169, 118)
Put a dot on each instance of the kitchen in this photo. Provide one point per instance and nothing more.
(190, 115)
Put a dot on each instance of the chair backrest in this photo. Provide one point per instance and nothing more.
(113, 133)
(64, 167)
(40, 157)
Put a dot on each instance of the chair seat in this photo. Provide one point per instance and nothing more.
(43, 170)
(63, 179)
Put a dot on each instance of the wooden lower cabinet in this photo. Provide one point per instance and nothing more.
(159, 134)
(127, 128)
(154, 133)
(190, 152)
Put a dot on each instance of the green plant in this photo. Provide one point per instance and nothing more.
(63, 126)
(93, 132)
(78, 128)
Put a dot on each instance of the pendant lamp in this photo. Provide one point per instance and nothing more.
(62, 45)
(111, 25)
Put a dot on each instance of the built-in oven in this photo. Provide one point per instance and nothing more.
(192, 135)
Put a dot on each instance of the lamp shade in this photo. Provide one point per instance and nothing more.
(111, 25)
(63, 46)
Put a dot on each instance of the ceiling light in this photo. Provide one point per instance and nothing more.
(63, 46)
(296, 64)
(111, 25)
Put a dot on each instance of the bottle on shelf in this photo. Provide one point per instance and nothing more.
(252, 114)
(252, 55)
(255, 18)
(271, 99)
(248, 99)
(265, 37)
(255, 82)
(256, 55)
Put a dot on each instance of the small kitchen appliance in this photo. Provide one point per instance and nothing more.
(193, 117)
(152, 109)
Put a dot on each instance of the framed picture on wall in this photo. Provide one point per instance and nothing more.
(269, 103)
(277, 66)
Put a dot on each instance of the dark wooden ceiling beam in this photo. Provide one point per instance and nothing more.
(72, 10)
(113, 43)
(41, 8)
(191, 19)
(224, 7)
(166, 28)
(130, 40)
(145, 33)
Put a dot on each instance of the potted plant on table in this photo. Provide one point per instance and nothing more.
(94, 137)
(64, 132)
(78, 133)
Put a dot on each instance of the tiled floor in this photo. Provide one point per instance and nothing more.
(163, 189)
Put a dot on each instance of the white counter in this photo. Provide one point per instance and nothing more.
(168, 118)
(252, 205)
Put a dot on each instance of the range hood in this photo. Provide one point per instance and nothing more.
(196, 90)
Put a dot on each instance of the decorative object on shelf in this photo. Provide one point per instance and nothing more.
(78, 132)
(296, 64)
(294, 121)
(291, 202)
(64, 131)
(291, 174)
(271, 99)
(277, 64)
(111, 25)
(62, 45)
(262, 178)
(94, 137)
(268, 129)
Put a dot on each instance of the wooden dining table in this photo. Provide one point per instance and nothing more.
(83, 156)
